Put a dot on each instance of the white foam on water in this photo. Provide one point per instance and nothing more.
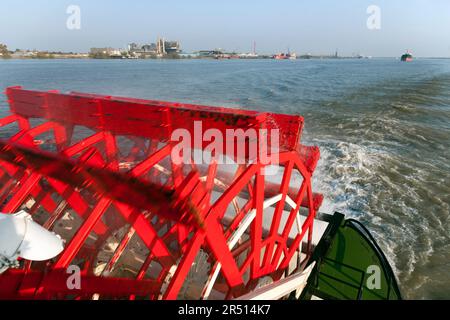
(351, 178)
(339, 174)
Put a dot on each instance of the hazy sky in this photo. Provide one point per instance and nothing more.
(314, 26)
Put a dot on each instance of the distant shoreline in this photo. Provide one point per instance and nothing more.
(206, 58)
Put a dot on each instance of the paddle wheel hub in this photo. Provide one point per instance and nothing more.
(101, 172)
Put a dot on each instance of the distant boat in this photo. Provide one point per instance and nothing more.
(407, 57)
(280, 56)
(285, 56)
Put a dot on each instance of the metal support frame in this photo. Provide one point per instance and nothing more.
(282, 288)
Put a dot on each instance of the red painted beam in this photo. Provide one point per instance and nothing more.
(101, 181)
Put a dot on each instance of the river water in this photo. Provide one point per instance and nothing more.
(383, 128)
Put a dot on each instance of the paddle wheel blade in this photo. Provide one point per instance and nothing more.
(102, 172)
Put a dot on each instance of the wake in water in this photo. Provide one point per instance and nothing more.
(392, 174)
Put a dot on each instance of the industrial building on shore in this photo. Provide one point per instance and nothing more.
(161, 48)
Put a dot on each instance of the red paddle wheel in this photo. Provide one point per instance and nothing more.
(100, 172)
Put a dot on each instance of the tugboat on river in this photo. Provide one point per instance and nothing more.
(407, 57)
